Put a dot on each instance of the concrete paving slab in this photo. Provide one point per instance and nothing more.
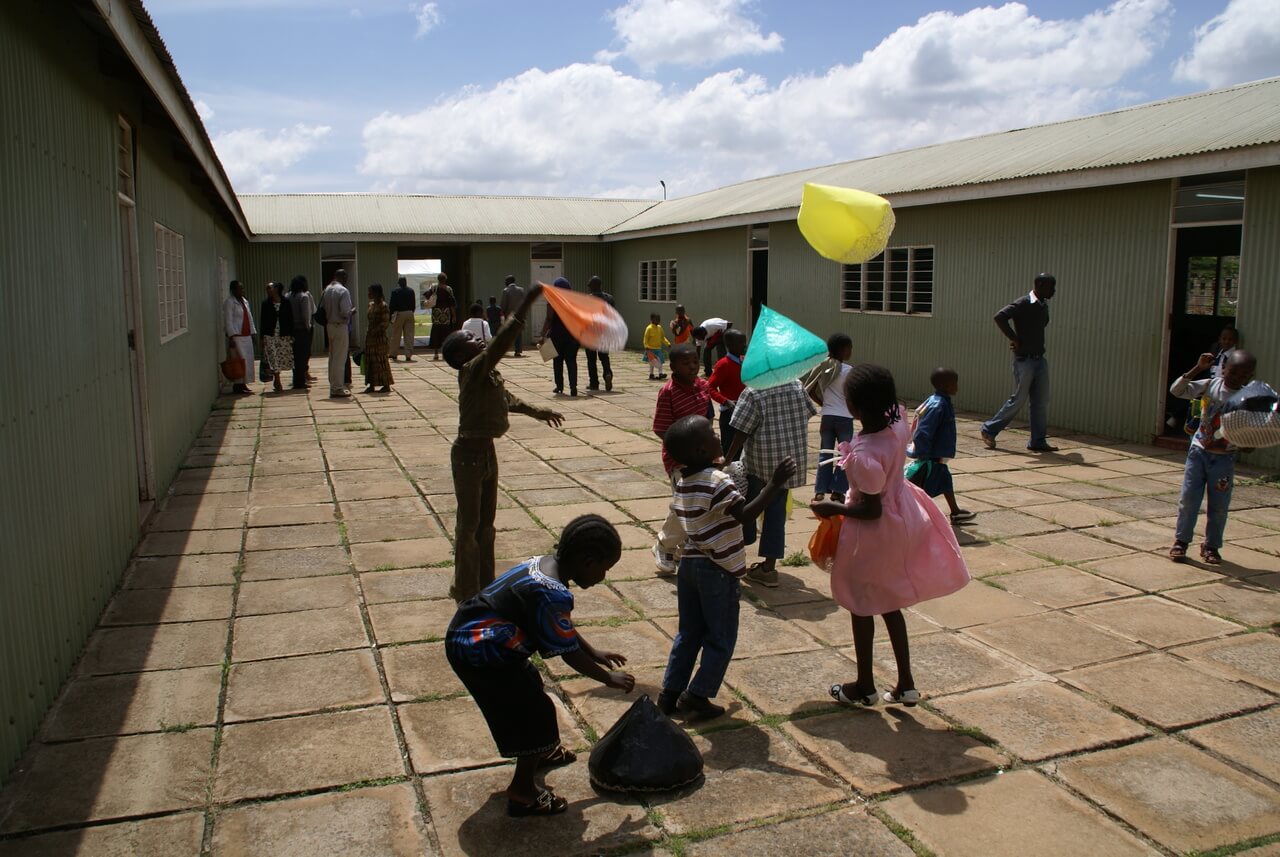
(949, 663)
(293, 594)
(451, 734)
(301, 685)
(276, 516)
(791, 683)
(1251, 741)
(419, 671)
(1063, 586)
(153, 647)
(1155, 621)
(406, 553)
(986, 558)
(411, 621)
(406, 584)
(164, 572)
(393, 529)
(158, 606)
(138, 702)
(301, 562)
(838, 833)
(975, 604)
(1150, 572)
(642, 643)
(172, 834)
(303, 633)
(1240, 601)
(1053, 641)
(1254, 658)
(1068, 546)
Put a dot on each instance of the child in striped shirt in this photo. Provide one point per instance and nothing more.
(713, 560)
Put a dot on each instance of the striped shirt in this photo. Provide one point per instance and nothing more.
(676, 401)
(702, 502)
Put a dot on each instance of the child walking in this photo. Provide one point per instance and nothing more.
(726, 384)
(655, 340)
(896, 547)
(825, 385)
(712, 561)
(933, 443)
(483, 404)
(771, 424)
(684, 395)
(526, 611)
(1211, 461)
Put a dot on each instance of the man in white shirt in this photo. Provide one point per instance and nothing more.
(338, 308)
(237, 324)
(709, 337)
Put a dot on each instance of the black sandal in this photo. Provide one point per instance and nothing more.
(545, 804)
(1210, 556)
(558, 758)
(1178, 553)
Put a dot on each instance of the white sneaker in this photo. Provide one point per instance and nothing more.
(665, 562)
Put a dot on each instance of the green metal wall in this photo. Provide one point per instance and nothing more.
(712, 277)
(376, 262)
(1109, 251)
(490, 264)
(583, 261)
(1259, 310)
(67, 457)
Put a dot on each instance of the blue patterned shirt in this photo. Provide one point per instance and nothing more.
(522, 612)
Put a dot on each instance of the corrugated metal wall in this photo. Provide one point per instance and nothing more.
(1259, 315)
(583, 261)
(66, 432)
(1108, 249)
(712, 277)
(490, 264)
(376, 262)
(260, 263)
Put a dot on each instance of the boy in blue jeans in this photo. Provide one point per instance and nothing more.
(713, 560)
(1211, 461)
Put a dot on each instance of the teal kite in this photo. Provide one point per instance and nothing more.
(780, 351)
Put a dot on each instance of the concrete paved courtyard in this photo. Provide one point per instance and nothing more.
(270, 681)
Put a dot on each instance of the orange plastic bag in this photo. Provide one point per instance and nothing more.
(591, 321)
(822, 544)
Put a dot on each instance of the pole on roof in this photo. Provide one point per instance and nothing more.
(664, 188)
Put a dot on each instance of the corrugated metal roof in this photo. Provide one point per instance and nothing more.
(358, 214)
(1245, 115)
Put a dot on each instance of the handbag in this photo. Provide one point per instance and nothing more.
(233, 367)
(321, 317)
(823, 542)
(429, 300)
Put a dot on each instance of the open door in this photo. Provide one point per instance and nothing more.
(758, 249)
(132, 283)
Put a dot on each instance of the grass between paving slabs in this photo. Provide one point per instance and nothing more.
(1236, 848)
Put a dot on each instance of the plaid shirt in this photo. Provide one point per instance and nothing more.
(776, 418)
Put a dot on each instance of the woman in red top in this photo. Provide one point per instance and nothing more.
(725, 382)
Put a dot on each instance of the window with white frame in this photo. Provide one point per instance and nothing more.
(171, 282)
(658, 281)
(898, 281)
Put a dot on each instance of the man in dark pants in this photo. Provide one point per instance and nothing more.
(1023, 323)
(512, 295)
(402, 302)
(302, 307)
(593, 380)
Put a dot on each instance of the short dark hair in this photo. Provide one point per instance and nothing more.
(655, 316)
(942, 375)
(375, 290)
(588, 537)
(681, 438)
(510, 278)
(233, 285)
(1047, 279)
(594, 281)
(442, 277)
(298, 283)
(871, 390)
(477, 310)
(837, 342)
(684, 349)
(402, 282)
(449, 348)
(492, 299)
(699, 332)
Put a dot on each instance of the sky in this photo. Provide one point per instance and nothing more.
(579, 98)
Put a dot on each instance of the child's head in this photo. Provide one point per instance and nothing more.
(735, 341)
(477, 311)
(1239, 369)
(945, 381)
(692, 442)
(872, 398)
(493, 301)
(699, 333)
(589, 546)
(655, 318)
(839, 347)
(459, 347)
(1228, 338)
(679, 310)
(684, 363)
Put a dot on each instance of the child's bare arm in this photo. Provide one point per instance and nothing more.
(546, 415)
(866, 507)
(501, 341)
(588, 666)
(781, 475)
(1184, 387)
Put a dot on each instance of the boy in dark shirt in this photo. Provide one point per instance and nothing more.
(933, 442)
(483, 405)
(1029, 316)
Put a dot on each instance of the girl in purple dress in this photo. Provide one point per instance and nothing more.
(896, 547)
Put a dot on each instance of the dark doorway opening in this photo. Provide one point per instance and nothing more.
(758, 250)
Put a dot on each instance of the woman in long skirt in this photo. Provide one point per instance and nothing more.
(376, 363)
(444, 315)
(276, 324)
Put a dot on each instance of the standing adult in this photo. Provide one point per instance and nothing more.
(566, 345)
(512, 297)
(237, 324)
(1023, 323)
(276, 323)
(593, 380)
(375, 362)
(402, 304)
(302, 309)
(444, 315)
(709, 337)
(338, 309)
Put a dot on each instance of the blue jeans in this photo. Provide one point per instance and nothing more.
(707, 596)
(773, 534)
(1205, 470)
(830, 477)
(1031, 380)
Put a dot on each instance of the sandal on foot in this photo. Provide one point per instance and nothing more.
(558, 758)
(1178, 553)
(1210, 556)
(545, 804)
(868, 700)
(908, 698)
(959, 516)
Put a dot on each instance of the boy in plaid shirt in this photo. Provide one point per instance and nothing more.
(771, 424)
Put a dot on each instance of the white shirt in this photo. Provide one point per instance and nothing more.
(714, 325)
(233, 312)
(833, 403)
(477, 327)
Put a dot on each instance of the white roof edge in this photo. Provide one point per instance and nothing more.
(421, 238)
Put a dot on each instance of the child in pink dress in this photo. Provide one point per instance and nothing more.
(896, 548)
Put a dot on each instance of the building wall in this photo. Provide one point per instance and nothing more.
(260, 263)
(712, 277)
(490, 265)
(66, 432)
(1259, 310)
(584, 261)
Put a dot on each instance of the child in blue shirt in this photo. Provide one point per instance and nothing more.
(933, 442)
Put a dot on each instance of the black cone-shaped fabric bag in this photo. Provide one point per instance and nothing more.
(644, 751)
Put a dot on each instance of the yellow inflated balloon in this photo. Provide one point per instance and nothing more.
(843, 224)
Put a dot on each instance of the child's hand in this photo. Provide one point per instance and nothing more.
(611, 659)
(827, 508)
(1205, 361)
(625, 682)
(784, 471)
(553, 419)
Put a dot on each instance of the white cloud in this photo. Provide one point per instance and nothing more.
(590, 128)
(203, 110)
(1243, 43)
(254, 157)
(686, 32)
(428, 19)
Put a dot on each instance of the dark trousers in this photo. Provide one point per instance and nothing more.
(566, 357)
(475, 484)
(727, 432)
(711, 352)
(593, 380)
(301, 356)
(707, 597)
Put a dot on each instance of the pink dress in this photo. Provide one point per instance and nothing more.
(907, 555)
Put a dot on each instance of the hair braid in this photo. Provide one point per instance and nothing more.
(871, 390)
(588, 536)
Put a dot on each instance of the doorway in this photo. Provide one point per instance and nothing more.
(541, 271)
(758, 250)
(130, 279)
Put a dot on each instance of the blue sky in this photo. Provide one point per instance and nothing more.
(590, 99)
